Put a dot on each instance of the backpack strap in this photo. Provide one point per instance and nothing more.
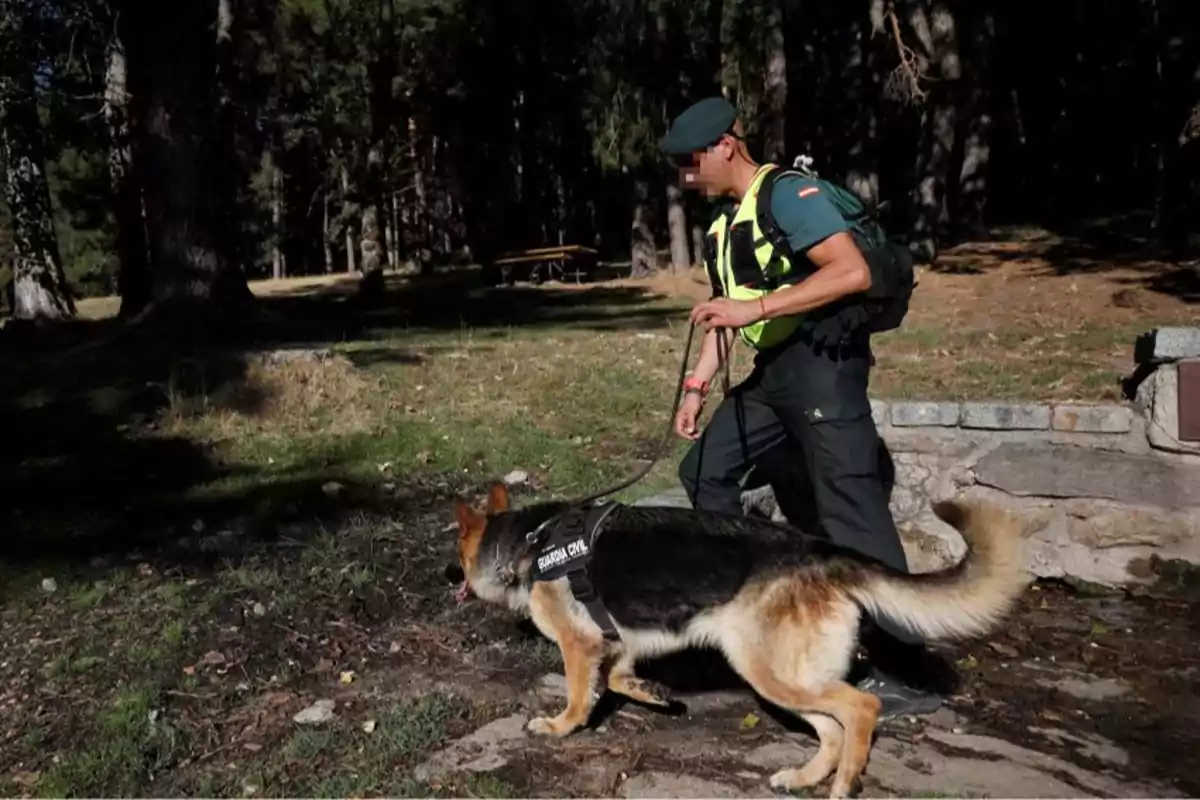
(770, 227)
(724, 211)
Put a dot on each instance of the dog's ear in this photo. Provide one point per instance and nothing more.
(468, 518)
(497, 498)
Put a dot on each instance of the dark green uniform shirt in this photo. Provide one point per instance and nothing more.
(804, 213)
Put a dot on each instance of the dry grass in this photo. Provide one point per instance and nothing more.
(301, 397)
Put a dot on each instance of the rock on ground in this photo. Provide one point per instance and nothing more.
(318, 712)
(485, 750)
(664, 784)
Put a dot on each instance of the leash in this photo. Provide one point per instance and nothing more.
(664, 445)
(722, 368)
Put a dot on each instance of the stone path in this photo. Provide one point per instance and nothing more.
(724, 745)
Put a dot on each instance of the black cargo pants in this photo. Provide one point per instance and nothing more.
(811, 401)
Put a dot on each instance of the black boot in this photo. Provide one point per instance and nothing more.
(909, 679)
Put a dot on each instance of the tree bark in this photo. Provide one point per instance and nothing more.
(862, 177)
(175, 80)
(277, 268)
(326, 233)
(678, 227)
(389, 236)
(134, 278)
(347, 218)
(643, 250)
(976, 129)
(383, 70)
(697, 244)
(40, 289)
(774, 133)
(935, 27)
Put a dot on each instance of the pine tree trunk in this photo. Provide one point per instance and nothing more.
(347, 220)
(389, 235)
(678, 227)
(372, 244)
(730, 68)
(775, 122)
(134, 278)
(973, 178)
(862, 177)
(383, 70)
(935, 28)
(175, 79)
(40, 290)
(277, 269)
(643, 250)
(697, 244)
(326, 233)
(397, 234)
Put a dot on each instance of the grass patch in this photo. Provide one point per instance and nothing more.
(342, 760)
(131, 742)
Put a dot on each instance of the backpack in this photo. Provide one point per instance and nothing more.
(892, 279)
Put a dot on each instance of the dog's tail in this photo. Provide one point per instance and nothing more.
(965, 600)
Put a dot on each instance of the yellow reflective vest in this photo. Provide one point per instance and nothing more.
(730, 242)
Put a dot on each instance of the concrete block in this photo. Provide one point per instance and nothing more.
(912, 415)
(1006, 416)
(879, 412)
(1092, 419)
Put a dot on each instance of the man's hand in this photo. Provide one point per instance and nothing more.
(721, 312)
(686, 416)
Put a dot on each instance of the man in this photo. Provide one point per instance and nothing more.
(803, 314)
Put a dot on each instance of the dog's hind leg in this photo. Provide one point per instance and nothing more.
(792, 648)
(582, 652)
(856, 712)
(622, 681)
(829, 732)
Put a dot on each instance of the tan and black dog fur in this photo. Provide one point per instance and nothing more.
(781, 606)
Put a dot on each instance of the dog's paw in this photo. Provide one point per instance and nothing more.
(547, 726)
(658, 693)
(791, 780)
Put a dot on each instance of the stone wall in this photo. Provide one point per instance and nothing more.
(1109, 493)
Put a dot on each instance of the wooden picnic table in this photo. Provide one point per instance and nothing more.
(570, 260)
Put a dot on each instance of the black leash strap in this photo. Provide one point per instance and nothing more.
(723, 368)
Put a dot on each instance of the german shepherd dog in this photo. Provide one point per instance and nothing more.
(781, 606)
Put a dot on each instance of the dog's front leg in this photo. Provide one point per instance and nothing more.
(582, 656)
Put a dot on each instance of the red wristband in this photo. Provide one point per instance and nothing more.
(691, 384)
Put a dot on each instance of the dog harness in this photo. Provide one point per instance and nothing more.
(564, 546)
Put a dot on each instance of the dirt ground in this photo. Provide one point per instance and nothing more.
(1077, 695)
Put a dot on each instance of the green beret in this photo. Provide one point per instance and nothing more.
(699, 126)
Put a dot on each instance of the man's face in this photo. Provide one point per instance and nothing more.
(708, 170)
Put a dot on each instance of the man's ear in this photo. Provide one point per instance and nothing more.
(466, 516)
(497, 498)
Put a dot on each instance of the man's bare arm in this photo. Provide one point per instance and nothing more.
(708, 361)
(841, 271)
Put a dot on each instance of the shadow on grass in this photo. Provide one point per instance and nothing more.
(85, 469)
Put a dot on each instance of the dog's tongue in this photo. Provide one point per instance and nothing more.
(464, 591)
